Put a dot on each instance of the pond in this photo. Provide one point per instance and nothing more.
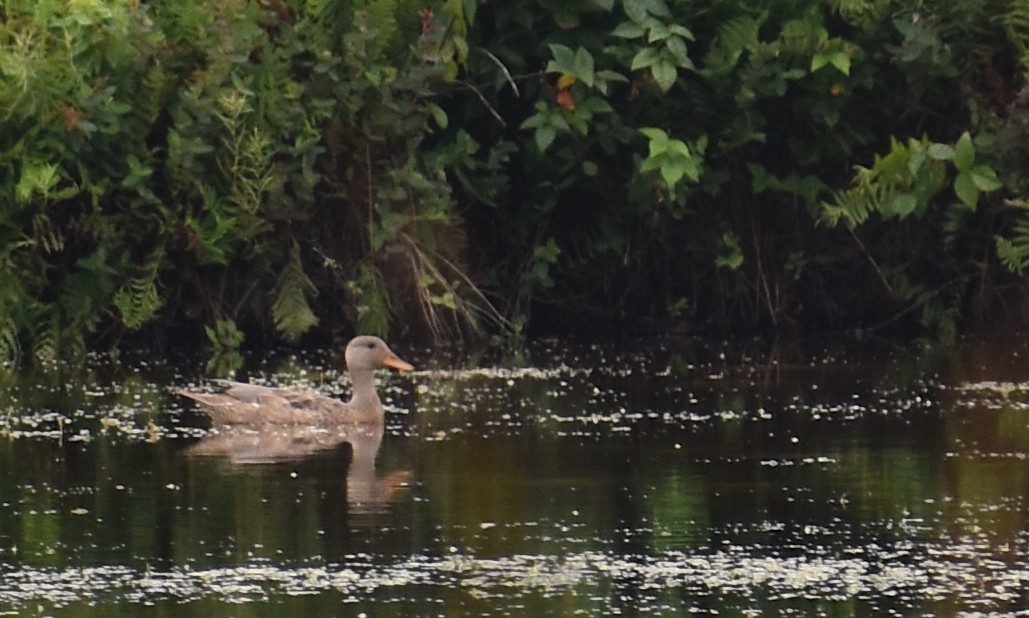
(663, 477)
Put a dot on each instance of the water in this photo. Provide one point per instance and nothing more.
(661, 478)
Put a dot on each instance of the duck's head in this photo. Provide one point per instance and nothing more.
(367, 353)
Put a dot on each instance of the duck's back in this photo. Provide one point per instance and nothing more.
(242, 403)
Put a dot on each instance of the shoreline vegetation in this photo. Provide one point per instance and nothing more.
(286, 170)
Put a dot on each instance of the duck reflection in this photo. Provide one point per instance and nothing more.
(367, 492)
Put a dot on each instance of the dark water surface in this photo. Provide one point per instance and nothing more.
(662, 478)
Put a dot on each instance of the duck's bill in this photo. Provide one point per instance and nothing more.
(396, 363)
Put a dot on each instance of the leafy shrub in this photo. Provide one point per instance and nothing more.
(222, 162)
(437, 168)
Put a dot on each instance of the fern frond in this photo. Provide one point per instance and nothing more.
(853, 206)
(863, 13)
(290, 310)
(1016, 22)
(373, 304)
(10, 350)
(45, 341)
(139, 300)
(735, 36)
(45, 234)
(1014, 251)
(382, 20)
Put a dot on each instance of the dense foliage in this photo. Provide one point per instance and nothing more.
(446, 167)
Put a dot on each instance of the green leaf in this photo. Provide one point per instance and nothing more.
(611, 76)
(665, 74)
(985, 178)
(650, 164)
(582, 66)
(547, 252)
(536, 120)
(940, 152)
(545, 137)
(964, 152)
(439, 115)
(901, 205)
(564, 59)
(966, 190)
(658, 32)
(658, 147)
(635, 9)
(841, 61)
(818, 61)
(658, 7)
(692, 169)
(629, 30)
(730, 254)
(761, 180)
(644, 58)
(916, 160)
(655, 134)
(682, 31)
(678, 148)
(672, 172)
(677, 47)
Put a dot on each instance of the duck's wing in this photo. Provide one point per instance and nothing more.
(242, 403)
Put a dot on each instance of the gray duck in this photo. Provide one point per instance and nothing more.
(250, 404)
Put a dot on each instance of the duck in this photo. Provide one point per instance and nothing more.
(240, 403)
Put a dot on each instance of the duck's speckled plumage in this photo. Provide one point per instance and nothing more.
(250, 404)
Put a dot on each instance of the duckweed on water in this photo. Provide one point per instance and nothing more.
(910, 577)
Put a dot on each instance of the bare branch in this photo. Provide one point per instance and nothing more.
(503, 69)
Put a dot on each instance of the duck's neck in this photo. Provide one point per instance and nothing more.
(364, 400)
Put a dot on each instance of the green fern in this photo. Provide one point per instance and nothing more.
(45, 341)
(139, 300)
(10, 351)
(899, 184)
(45, 234)
(291, 311)
(1016, 22)
(85, 293)
(1014, 251)
(736, 36)
(372, 301)
(853, 206)
(225, 336)
(382, 19)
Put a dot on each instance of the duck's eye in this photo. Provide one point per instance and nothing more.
(370, 346)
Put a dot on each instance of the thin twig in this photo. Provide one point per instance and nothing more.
(864, 250)
(503, 69)
(762, 277)
(371, 198)
(493, 112)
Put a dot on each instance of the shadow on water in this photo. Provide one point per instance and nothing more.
(661, 478)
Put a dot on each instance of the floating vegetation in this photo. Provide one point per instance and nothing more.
(994, 395)
(903, 575)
